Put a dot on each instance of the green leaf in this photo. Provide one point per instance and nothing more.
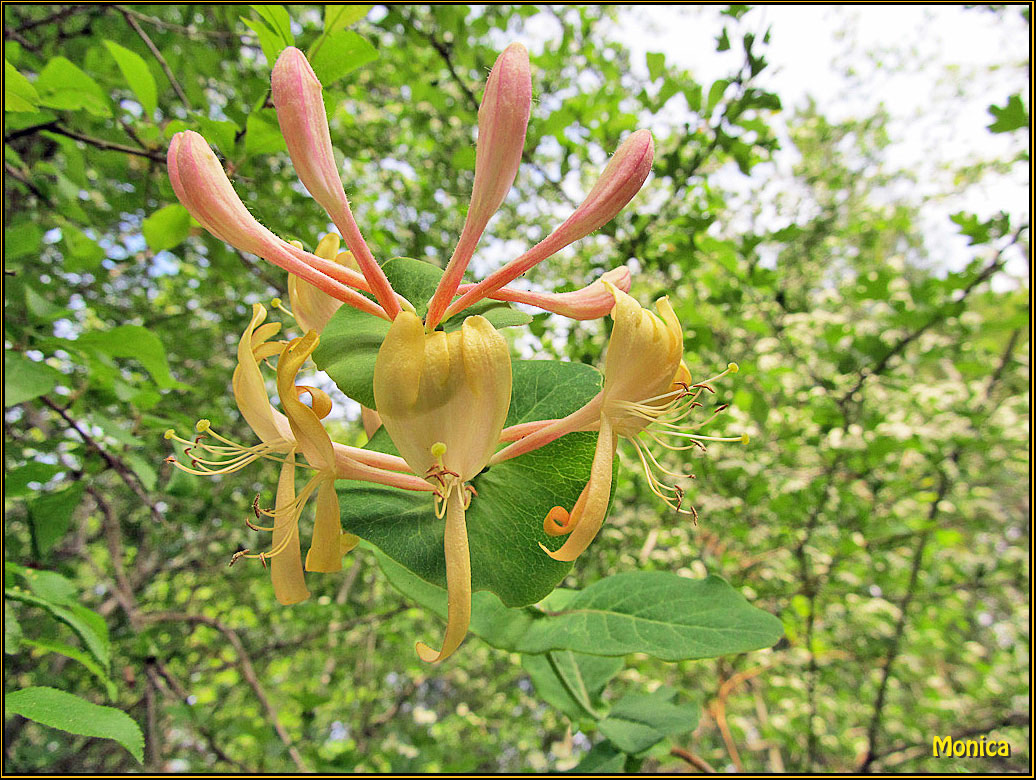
(166, 228)
(338, 17)
(51, 586)
(22, 239)
(51, 515)
(572, 682)
(137, 75)
(53, 646)
(86, 623)
(603, 759)
(505, 521)
(222, 135)
(269, 41)
(670, 617)
(68, 712)
(277, 17)
(339, 54)
(715, 94)
(19, 94)
(133, 341)
(1012, 116)
(655, 64)
(350, 342)
(64, 86)
(83, 253)
(16, 481)
(638, 722)
(26, 379)
(41, 308)
(263, 134)
(12, 630)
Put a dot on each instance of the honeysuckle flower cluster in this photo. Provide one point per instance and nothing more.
(442, 397)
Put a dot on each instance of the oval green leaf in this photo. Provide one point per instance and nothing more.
(65, 711)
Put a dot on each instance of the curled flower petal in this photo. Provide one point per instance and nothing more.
(588, 514)
(305, 422)
(503, 118)
(622, 178)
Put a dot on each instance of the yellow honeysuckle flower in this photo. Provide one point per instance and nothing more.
(645, 382)
(443, 398)
(282, 436)
(313, 308)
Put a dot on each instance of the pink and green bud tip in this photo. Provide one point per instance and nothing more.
(503, 119)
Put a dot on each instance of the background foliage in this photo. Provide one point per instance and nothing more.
(882, 510)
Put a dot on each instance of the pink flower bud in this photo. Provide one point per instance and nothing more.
(502, 122)
(622, 178)
(589, 303)
(503, 119)
(298, 98)
(202, 186)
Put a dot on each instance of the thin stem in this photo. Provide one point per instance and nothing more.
(157, 54)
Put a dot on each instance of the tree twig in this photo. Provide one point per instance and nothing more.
(247, 671)
(128, 476)
(693, 759)
(157, 54)
(23, 179)
(99, 143)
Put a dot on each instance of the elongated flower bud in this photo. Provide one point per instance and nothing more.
(622, 178)
(503, 119)
(202, 186)
(590, 303)
(298, 98)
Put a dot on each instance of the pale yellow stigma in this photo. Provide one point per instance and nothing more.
(277, 303)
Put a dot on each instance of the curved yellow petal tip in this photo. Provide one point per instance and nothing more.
(744, 438)
(428, 655)
(556, 555)
(732, 368)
